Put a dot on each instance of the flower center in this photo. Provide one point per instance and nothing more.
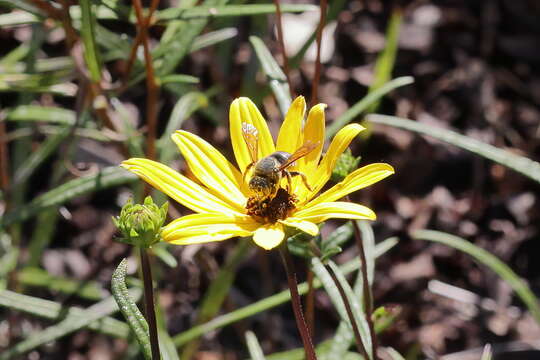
(270, 210)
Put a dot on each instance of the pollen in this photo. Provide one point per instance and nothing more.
(272, 209)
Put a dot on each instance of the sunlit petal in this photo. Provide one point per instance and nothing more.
(339, 143)
(178, 187)
(358, 179)
(301, 224)
(337, 209)
(313, 132)
(269, 236)
(290, 134)
(200, 228)
(211, 167)
(243, 110)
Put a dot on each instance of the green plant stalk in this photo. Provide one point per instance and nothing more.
(269, 302)
(129, 309)
(491, 261)
(296, 302)
(358, 339)
(367, 294)
(149, 302)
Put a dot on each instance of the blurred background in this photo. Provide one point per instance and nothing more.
(72, 111)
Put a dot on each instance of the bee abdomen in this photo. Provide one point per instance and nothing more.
(280, 156)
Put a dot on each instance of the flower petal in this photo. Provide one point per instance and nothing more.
(301, 224)
(337, 209)
(243, 110)
(201, 228)
(211, 167)
(269, 236)
(313, 132)
(339, 143)
(290, 135)
(358, 179)
(178, 187)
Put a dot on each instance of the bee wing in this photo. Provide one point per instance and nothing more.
(302, 151)
(251, 137)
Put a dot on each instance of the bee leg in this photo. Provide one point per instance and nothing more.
(303, 176)
(246, 171)
(289, 181)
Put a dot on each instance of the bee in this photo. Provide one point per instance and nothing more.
(269, 171)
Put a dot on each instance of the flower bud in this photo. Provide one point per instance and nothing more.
(345, 164)
(140, 225)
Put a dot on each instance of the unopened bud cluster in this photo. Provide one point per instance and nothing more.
(345, 164)
(140, 225)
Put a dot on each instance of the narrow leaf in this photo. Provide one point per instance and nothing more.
(269, 302)
(276, 77)
(106, 178)
(361, 106)
(386, 59)
(51, 310)
(89, 290)
(91, 53)
(521, 164)
(230, 10)
(254, 347)
(67, 326)
(484, 257)
(212, 38)
(129, 309)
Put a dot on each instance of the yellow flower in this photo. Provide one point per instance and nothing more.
(221, 198)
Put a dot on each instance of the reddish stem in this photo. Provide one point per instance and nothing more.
(286, 68)
(317, 76)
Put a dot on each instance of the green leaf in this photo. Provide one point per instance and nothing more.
(276, 77)
(178, 78)
(386, 59)
(91, 52)
(254, 347)
(65, 327)
(18, 18)
(230, 10)
(269, 302)
(212, 38)
(42, 113)
(521, 164)
(37, 157)
(129, 309)
(106, 178)
(487, 354)
(361, 106)
(172, 52)
(22, 5)
(31, 276)
(53, 311)
(394, 355)
(484, 257)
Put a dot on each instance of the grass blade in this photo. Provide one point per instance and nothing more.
(31, 276)
(212, 38)
(484, 257)
(106, 178)
(521, 164)
(42, 113)
(88, 34)
(230, 10)
(386, 59)
(129, 309)
(254, 347)
(65, 327)
(276, 77)
(53, 311)
(269, 302)
(365, 103)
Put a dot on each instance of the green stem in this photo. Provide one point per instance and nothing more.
(368, 296)
(296, 302)
(149, 303)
